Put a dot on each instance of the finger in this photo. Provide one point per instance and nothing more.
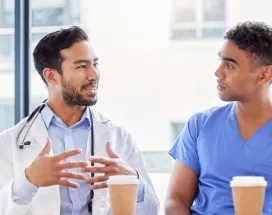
(99, 186)
(66, 154)
(96, 169)
(47, 148)
(67, 183)
(70, 165)
(72, 175)
(96, 179)
(105, 161)
(109, 151)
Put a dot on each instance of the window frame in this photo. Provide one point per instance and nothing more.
(199, 24)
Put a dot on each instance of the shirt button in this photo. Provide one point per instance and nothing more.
(69, 132)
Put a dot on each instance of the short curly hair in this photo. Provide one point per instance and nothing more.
(256, 39)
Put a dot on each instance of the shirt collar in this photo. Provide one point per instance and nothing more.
(49, 116)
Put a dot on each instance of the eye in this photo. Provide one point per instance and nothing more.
(95, 64)
(82, 66)
(230, 66)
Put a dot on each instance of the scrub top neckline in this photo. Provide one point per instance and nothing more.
(262, 130)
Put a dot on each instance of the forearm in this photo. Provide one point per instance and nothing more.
(176, 207)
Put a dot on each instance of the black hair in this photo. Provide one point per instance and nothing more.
(256, 39)
(47, 52)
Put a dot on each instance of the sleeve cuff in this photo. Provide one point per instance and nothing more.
(22, 190)
(141, 190)
(187, 163)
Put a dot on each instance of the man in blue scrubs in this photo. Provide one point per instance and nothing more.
(231, 140)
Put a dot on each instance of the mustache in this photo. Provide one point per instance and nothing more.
(92, 84)
(220, 83)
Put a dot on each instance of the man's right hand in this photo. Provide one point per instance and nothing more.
(49, 170)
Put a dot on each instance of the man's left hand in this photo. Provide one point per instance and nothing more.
(113, 165)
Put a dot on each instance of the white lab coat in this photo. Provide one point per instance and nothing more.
(13, 162)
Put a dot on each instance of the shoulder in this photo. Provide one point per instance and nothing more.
(199, 119)
(121, 140)
(205, 114)
(13, 131)
(8, 140)
(113, 127)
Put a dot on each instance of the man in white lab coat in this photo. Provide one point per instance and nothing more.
(40, 177)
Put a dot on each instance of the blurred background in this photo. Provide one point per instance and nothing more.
(157, 62)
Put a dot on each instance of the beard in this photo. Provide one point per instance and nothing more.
(74, 98)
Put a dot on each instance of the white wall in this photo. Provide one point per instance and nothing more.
(146, 79)
(249, 10)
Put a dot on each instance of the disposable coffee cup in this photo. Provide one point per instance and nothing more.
(248, 194)
(123, 194)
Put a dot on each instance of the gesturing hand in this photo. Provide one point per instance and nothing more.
(48, 170)
(112, 166)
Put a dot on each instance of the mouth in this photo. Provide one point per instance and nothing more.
(91, 89)
(220, 87)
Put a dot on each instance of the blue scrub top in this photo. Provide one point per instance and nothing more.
(211, 145)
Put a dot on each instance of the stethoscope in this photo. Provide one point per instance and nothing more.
(33, 116)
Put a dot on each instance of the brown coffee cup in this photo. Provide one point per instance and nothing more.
(248, 194)
(123, 194)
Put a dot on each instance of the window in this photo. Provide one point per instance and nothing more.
(198, 19)
(55, 12)
(6, 14)
(6, 44)
(6, 27)
(6, 64)
(157, 161)
(44, 15)
(6, 114)
(176, 129)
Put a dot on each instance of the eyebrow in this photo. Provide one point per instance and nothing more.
(227, 59)
(85, 61)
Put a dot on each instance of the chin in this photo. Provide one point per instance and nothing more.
(225, 98)
(92, 101)
(84, 102)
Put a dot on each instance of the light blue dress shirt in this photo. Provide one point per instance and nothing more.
(73, 201)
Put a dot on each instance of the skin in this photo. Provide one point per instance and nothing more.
(238, 81)
(69, 93)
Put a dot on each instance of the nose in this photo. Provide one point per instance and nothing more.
(219, 73)
(93, 73)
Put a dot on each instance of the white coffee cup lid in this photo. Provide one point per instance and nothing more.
(248, 181)
(123, 179)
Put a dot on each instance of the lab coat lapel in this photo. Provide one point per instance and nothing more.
(37, 136)
(39, 133)
(100, 133)
(101, 136)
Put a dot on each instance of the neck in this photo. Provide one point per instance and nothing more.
(255, 110)
(69, 115)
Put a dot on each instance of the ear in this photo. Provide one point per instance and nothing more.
(50, 76)
(265, 75)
